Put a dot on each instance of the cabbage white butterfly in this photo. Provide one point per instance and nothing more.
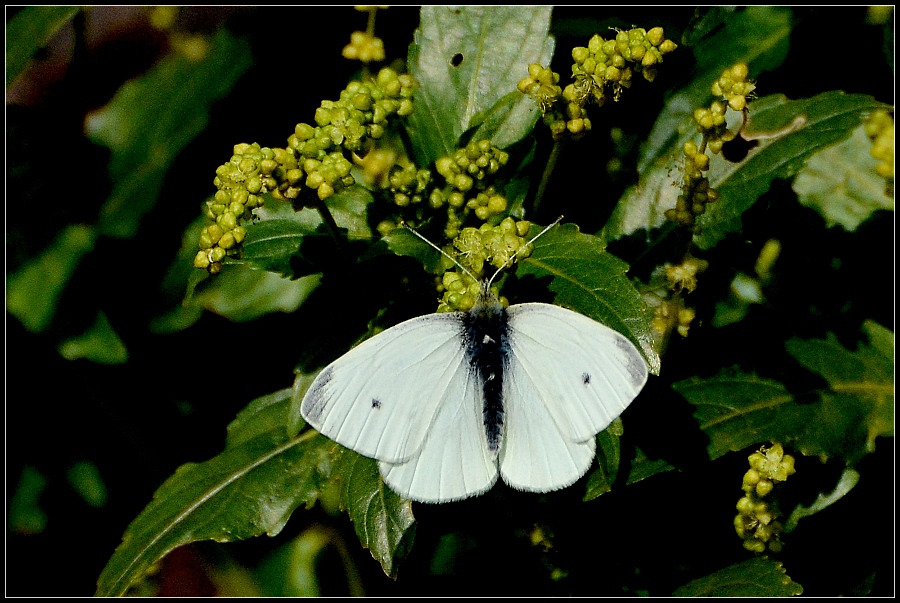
(447, 402)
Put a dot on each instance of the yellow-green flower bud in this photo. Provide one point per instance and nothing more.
(764, 487)
(325, 191)
(227, 241)
(216, 254)
(580, 54)
(755, 546)
(656, 36)
(201, 260)
(463, 182)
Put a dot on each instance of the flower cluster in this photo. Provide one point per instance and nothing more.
(756, 522)
(732, 89)
(364, 47)
(602, 70)
(475, 248)
(315, 158)
(695, 190)
(409, 185)
(242, 181)
(468, 174)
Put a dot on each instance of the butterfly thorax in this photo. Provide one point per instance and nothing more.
(486, 337)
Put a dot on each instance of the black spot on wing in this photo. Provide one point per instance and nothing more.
(376, 403)
(317, 397)
(586, 378)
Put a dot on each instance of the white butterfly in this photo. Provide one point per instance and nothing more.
(446, 402)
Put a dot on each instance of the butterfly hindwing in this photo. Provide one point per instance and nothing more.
(536, 454)
(381, 398)
(454, 462)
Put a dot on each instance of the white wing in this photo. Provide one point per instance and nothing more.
(455, 462)
(568, 378)
(406, 397)
(381, 397)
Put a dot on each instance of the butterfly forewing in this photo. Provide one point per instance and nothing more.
(381, 398)
(583, 372)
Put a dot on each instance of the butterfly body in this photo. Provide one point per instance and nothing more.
(448, 402)
(485, 333)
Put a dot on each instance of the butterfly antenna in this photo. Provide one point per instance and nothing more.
(512, 258)
(441, 251)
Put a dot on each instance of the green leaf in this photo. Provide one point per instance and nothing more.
(739, 410)
(295, 421)
(273, 242)
(100, 344)
(383, 520)
(180, 314)
(705, 21)
(758, 577)
(840, 182)
(290, 571)
(249, 489)
(788, 133)
(609, 454)
(85, 478)
(849, 479)
(757, 35)
(506, 122)
(843, 420)
(263, 415)
(241, 293)
(270, 244)
(32, 291)
(587, 279)
(466, 61)
(403, 242)
(643, 206)
(860, 397)
(152, 118)
(25, 515)
(348, 208)
(643, 467)
(29, 31)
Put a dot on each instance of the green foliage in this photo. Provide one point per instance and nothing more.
(840, 182)
(152, 119)
(28, 31)
(25, 514)
(758, 36)
(149, 351)
(841, 420)
(99, 343)
(250, 489)
(461, 59)
(33, 291)
(753, 578)
(786, 133)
